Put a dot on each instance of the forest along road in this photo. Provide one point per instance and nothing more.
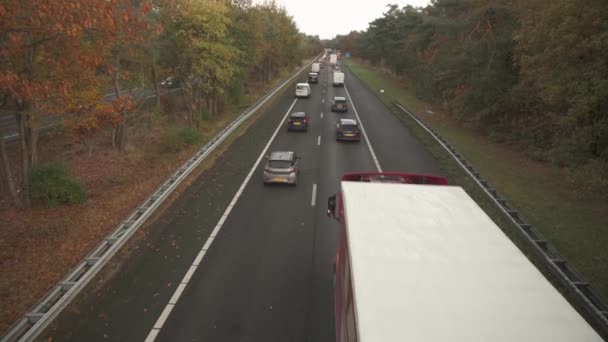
(267, 276)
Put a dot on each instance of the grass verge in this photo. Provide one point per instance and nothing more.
(573, 220)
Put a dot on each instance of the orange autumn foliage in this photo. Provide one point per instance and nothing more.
(52, 52)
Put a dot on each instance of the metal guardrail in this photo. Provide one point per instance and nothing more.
(591, 300)
(48, 308)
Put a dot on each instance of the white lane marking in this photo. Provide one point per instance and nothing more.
(314, 195)
(319, 140)
(152, 335)
(180, 289)
(189, 274)
(321, 115)
(163, 317)
(369, 145)
(323, 100)
(178, 292)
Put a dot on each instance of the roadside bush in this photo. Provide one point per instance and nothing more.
(236, 93)
(52, 184)
(176, 139)
(204, 115)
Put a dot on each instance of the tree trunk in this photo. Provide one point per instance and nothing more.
(121, 134)
(115, 77)
(265, 73)
(88, 144)
(21, 122)
(10, 182)
(156, 85)
(33, 144)
(208, 105)
(120, 130)
(267, 69)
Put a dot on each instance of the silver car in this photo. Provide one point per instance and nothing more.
(281, 167)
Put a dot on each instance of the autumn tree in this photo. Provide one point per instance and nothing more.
(126, 32)
(48, 50)
(208, 57)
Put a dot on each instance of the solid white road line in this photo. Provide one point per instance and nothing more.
(369, 145)
(182, 285)
(319, 140)
(314, 195)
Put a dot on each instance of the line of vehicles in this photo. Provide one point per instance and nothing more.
(418, 260)
(283, 166)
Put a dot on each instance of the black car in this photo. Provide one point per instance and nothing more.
(170, 82)
(313, 77)
(338, 104)
(348, 129)
(298, 121)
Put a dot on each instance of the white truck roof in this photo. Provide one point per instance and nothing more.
(429, 265)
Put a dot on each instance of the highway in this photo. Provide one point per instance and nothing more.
(8, 121)
(267, 275)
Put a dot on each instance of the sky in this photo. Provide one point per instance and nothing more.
(328, 18)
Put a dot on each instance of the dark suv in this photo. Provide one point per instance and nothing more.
(348, 129)
(313, 77)
(281, 167)
(338, 104)
(298, 121)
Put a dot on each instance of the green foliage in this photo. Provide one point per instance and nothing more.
(176, 139)
(52, 184)
(532, 72)
(562, 53)
(236, 93)
(204, 115)
(214, 46)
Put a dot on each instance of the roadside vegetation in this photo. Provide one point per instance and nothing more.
(86, 64)
(527, 73)
(53, 184)
(176, 139)
(520, 89)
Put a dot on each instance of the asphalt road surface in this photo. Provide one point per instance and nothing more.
(8, 122)
(267, 276)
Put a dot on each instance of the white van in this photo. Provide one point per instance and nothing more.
(302, 90)
(333, 59)
(338, 80)
(316, 67)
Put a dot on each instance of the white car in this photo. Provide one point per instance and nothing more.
(302, 90)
